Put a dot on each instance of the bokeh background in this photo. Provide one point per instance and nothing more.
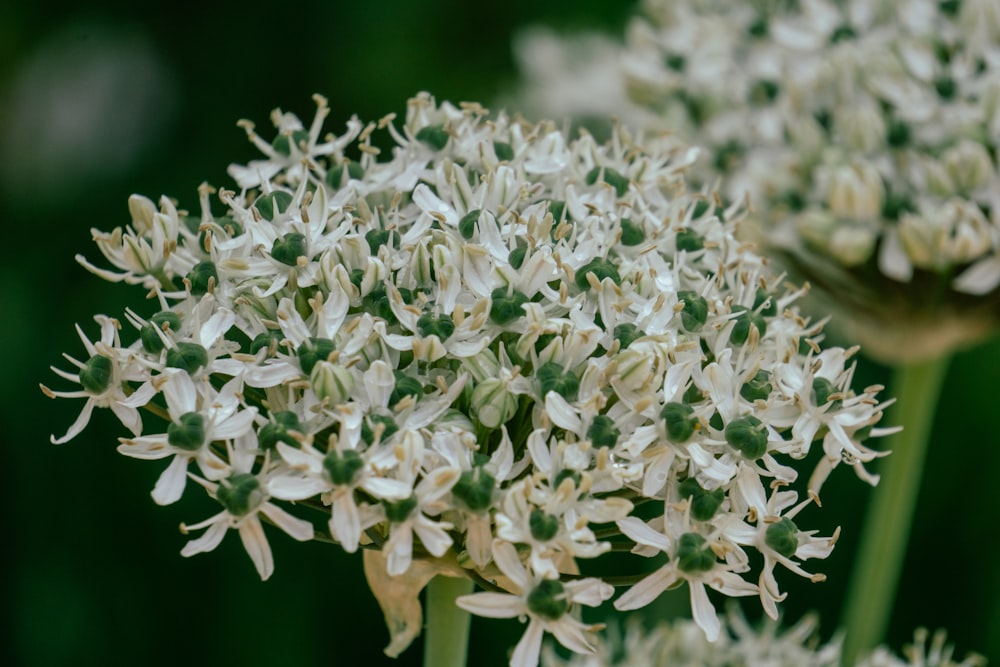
(120, 97)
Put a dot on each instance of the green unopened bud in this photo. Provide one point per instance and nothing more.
(552, 378)
(264, 340)
(382, 425)
(543, 526)
(188, 433)
(632, 234)
(240, 494)
(505, 308)
(343, 467)
(190, 357)
(405, 386)
(335, 175)
(97, 374)
(377, 238)
(548, 600)
(517, 255)
(492, 404)
(278, 430)
(680, 421)
(704, 504)
(283, 142)
(165, 320)
(603, 432)
(314, 350)
(203, 277)
(557, 208)
(474, 489)
(609, 176)
(746, 320)
(822, 390)
(376, 302)
(695, 312)
(689, 240)
(399, 511)
(331, 382)
(758, 387)
(467, 225)
(747, 435)
(441, 326)
(289, 248)
(762, 296)
(272, 204)
(503, 150)
(783, 537)
(626, 334)
(693, 554)
(601, 268)
(482, 366)
(434, 136)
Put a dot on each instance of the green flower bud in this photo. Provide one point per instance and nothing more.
(474, 489)
(626, 334)
(557, 208)
(240, 494)
(263, 340)
(570, 474)
(314, 350)
(822, 390)
(343, 467)
(163, 320)
(203, 277)
(517, 255)
(335, 175)
(689, 240)
(399, 511)
(283, 142)
(289, 248)
(503, 150)
(543, 526)
(467, 225)
(441, 326)
(434, 136)
(632, 234)
(945, 87)
(745, 320)
(747, 435)
(758, 387)
(97, 374)
(552, 378)
(783, 537)
(272, 204)
(601, 268)
(695, 312)
(676, 62)
(704, 504)
(331, 382)
(506, 308)
(609, 176)
(371, 424)
(603, 432)
(405, 386)
(680, 421)
(548, 600)
(492, 404)
(762, 296)
(189, 433)
(376, 302)
(377, 238)
(278, 430)
(189, 357)
(693, 555)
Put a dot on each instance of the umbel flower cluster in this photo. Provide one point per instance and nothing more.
(497, 348)
(682, 644)
(865, 134)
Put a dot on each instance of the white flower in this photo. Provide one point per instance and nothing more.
(547, 604)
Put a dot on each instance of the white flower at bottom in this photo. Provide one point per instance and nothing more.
(546, 603)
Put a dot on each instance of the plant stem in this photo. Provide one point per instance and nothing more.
(446, 641)
(881, 552)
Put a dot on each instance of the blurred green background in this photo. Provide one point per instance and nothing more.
(123, 97)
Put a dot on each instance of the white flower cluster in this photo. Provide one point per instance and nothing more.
(681, 644)
(865, 134)
(496, 346)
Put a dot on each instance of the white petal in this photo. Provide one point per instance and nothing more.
(639, 531)
(703, 611)
(345, 524)
(252, 535)
(170, 486)
(492, 605)
(297, 528)
(505, 556)
(527, 650)
(78, 425)
(210, 538)
(648, 589)
(570, 634)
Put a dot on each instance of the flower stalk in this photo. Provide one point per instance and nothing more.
(887, 523)
(446, 639)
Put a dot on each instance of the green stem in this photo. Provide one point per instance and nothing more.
(446, 641)
(881, 552)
